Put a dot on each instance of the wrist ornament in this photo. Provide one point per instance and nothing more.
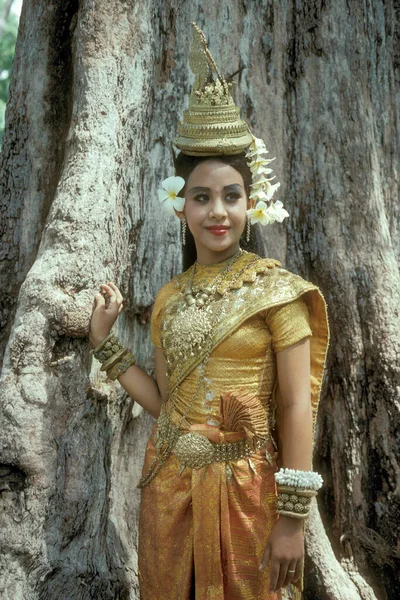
(107, 348)
(114, 357)
(101, 345)
(294, 503)
(295, 490)
(121, 366)
(310, 480)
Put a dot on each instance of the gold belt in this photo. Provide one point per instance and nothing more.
(195, 450)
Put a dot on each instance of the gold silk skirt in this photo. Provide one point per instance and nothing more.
(203, 536)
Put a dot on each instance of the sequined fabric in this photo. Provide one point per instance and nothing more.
(202, 525)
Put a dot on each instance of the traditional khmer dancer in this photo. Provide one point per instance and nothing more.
(240, 348)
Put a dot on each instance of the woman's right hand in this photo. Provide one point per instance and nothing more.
(103, 318)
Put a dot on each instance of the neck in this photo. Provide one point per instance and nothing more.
(210, 257)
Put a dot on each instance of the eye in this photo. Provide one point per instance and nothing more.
(232, 197)
(200, 197)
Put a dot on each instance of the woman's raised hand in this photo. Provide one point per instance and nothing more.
(104, 316)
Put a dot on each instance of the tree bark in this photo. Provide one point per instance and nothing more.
(97, 89)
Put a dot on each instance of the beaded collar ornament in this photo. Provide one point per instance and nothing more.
(194, 322)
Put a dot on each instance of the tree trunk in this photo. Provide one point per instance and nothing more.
(96, 92)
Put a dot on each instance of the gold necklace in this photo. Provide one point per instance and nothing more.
(194, 322)
(205, 294)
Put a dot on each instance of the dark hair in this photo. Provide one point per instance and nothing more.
(184, 165)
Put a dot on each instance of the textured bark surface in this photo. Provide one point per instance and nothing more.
(96, 92)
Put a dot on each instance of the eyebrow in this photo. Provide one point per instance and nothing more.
(230, 187)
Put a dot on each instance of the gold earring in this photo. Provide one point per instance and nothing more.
(248, 230)
(183, 231)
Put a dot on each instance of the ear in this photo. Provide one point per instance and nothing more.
(180, 214)
(251, 203)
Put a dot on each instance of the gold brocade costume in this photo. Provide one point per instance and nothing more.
(199, 520)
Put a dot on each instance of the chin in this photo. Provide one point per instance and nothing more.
(219, 245)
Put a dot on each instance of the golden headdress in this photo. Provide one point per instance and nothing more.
(212, 127)
(212, 124)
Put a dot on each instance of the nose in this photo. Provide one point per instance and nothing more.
(217, 209)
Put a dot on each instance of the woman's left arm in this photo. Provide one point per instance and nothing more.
(294, 413)
(285, 546)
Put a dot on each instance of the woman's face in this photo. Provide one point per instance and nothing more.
(215, 209)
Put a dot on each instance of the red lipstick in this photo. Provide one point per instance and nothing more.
(218, 229)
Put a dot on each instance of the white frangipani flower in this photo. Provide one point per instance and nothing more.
(257, 145)
(168, 195)
(271, 189)
(256, 151)
(258, 166)
(262, 188)
(261, 177)
(264, 191)
(262, 180)
(277, 212)
(259, 214)
(258, 194)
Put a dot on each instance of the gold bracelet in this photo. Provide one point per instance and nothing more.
(290, 489)
(294, 502)
(115, 358)
(108, 347)
(120, 367)
(101, 345)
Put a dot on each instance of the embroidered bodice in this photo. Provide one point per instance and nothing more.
(245, 356)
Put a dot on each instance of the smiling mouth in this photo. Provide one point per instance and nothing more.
(217, 231)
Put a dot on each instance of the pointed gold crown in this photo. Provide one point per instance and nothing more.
(212, 124)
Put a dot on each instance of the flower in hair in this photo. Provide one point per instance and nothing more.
(277, 211)
(262, 189)
(257, 146)
(264, 192)
(260, 214)
(258, 165)
(168, 194)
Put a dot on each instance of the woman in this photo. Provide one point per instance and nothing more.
(240, 347)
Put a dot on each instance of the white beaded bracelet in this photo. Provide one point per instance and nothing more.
(310, 480)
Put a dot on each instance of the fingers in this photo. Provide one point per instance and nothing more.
(109, 291)
(109, 302)
(114, 295)
(274, 575)
(278, 570)
(266, 557)
(282, 575)
(119, 295)
(290, 573)
(116, 291)
(99, 300)
(298, 571)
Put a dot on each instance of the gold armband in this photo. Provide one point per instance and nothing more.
(121, 366)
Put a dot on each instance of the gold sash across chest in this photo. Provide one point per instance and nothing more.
(262, 284)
